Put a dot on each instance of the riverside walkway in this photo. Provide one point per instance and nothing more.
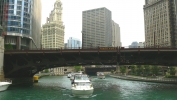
(157, 79)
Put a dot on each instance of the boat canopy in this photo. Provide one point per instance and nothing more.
(81, 77)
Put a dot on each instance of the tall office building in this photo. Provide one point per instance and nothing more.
(73, 43)
(66, 45)
(53, 30)
(116, 42)
(18, 18)
(160, 23)
(97, 28)
(36, 23)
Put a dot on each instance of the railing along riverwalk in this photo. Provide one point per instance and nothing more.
(157, 79)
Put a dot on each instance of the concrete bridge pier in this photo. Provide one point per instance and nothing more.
(117, 68)
(1, 58)
(22, 81)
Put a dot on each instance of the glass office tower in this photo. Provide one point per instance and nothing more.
(16, 18)
(73, 43)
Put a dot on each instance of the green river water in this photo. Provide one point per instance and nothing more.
(59, 88)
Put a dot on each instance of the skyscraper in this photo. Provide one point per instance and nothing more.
(36, 23)
(73, 43)
(116, 42)
(160, 23)
(17, 18)
(97, 28)
(53, 30)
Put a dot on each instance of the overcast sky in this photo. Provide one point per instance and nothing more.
(127, 13)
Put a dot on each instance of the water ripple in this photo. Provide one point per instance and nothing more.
(59, 88)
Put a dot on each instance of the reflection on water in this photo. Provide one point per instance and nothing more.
(59, 88)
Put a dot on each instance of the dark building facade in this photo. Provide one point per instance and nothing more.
(160, 23)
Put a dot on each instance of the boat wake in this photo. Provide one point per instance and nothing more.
(91, 96)
(94, 95)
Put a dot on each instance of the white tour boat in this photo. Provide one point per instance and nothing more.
(81, 86)
(69, 75)
(100, 75)
(72, 75)
(4, 85)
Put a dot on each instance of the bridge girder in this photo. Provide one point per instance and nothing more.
(27, 63)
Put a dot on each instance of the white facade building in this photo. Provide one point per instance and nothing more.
(61, 70)
(116, 42)
(58, 71)
(97, 28)
(73, 43)
(53, 30)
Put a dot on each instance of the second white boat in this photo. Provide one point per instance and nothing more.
(100, 75)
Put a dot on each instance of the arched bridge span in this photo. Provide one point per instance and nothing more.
(26, 63)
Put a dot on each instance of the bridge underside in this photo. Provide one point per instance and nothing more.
(28, 64)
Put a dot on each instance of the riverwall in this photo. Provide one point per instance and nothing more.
(94, 70)
(146, 79)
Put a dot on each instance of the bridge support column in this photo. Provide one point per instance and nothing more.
(117, 68)
(18, 43)
(1, 58)
(24, 80)
(30, 44)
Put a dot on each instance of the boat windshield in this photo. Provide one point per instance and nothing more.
(83, 83)
(81, 77)
(100, 73)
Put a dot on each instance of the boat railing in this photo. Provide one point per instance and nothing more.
(10, 81)
(82, 84)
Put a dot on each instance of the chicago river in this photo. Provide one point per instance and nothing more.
(59, 88)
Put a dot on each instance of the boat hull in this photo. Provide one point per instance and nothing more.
(79, 92)
(4, 86)
(68, 76)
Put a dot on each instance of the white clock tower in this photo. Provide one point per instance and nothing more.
(53, 30)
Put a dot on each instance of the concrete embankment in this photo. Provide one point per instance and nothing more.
(42, 74)
(146, 79)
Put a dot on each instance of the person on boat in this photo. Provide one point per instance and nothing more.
(72, 82)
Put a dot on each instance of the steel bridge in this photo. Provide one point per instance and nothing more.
(26, 63)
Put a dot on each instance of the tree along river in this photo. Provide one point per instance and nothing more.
(59, 88)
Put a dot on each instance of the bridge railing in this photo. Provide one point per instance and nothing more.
(7, 80)
(103, 48)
